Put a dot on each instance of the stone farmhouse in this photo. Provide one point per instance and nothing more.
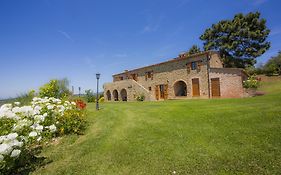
(199, 75)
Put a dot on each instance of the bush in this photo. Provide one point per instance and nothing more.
(140, 97)
(101, 100)
(25, 99)
(55, 88)
(72, 122)
(90, 96)
(24, 128)
(251, 82)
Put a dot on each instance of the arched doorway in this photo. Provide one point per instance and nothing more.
(108, 95)
(115, 95)
(180, 89)
(123, 94)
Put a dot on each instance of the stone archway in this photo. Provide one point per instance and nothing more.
(115, 95)
(180, 89)
(108, 95)
(123, 94)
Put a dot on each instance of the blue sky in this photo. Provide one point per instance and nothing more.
(45, 39)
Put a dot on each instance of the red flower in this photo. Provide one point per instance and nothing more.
(80, 104)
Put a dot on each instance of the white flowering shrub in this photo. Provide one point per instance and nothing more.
(251, 82)
(22, 127)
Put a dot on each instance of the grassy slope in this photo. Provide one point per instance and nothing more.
(222, 136)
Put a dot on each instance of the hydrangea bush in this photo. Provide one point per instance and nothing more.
(22, 127)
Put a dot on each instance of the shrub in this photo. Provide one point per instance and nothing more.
(73, 121)
(50, 89)
(90, 96)
(55, 88)
(140, 97)
(101, 100)
(26, 98)
(251, 82)
(24, 128)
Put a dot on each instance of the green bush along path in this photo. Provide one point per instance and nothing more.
(219, 136)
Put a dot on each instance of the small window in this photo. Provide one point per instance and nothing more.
(193, 65)
(149, 75)
(121, 78)
(149, 88)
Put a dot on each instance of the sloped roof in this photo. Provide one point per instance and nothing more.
(169, 61)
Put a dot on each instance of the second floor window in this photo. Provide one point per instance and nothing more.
(193, 65)
(149, 75)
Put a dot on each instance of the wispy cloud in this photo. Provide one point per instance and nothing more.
(88, 61)
(275, 31)
(182, 3)
(150, 28)
(153, 23)
(258, 2)
(66, 35)
(120, 55)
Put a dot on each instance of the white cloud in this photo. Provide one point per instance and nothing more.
(66, 35)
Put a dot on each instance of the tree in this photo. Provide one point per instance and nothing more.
(273, 65)
(90, 95)
(194, 49)
(240, 40)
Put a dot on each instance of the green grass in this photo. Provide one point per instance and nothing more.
(221, 136)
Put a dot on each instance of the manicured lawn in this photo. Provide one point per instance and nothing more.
(221, 136)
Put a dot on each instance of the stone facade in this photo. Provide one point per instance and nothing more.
(188, 76)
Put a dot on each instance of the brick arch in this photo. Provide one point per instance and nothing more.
(180, 88)
(115, 95)
(123, 94)
(108, 95)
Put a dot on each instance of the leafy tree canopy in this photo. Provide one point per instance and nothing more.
(273, 65)
(239, 40)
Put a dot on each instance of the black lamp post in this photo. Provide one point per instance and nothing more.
(79, 91)
(97, 99)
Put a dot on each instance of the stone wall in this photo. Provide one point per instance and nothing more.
(215, 61)
(231, 81)
(132, 88)
(170, 72)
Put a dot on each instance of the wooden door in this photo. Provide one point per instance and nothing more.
(215, 85)
(162, 92)
(195, 87)
(157, 92)
(166, 91)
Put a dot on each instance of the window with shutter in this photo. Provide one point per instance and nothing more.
(193, 65)
(199, 66)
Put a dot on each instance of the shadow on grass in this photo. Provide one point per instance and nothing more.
(27, 163)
